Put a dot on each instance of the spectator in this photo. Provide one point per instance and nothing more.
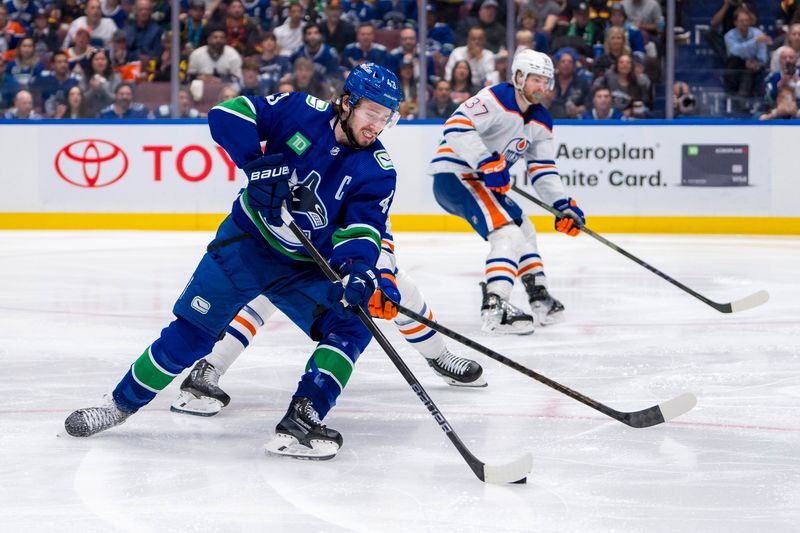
(440, 105)
(79, 52)
(615, 46)
(618, 19)
(584, 29)
(440, 35)
(326, 62)
(25, 66)
(290, 34)
(601, 106)
(193, 27)
(272, 64)
(44, 35)
(215, 60)
(242, 34)
(337, 33)
(528, 22)
(101, 30)
(785, 108)
(785, 14)
(494, 31)
(393, 14)
(723, 21)
(365, 49)
(52, 86)
(684, 104)
(252, 83)
(626, 87)
(129, 70)
(792, 40)
(572, 92)
(8, 86)
(501, 65)
(286, 87)
(358, 11)
(546, 12)
(23, 107)
(228, 92)
(305, 79)
(747, 56)
(22, 11)
(66, 11)
(11, 32)
(785, 76)
(113, 9)
(481, 60)
(73, 106)
(408, 90)
(184, 105)
(409, 51)
(144, 35)
(99, 82)
(160, 68)
(645, 14)
(461, 86)
(124, 107)
(258, 12)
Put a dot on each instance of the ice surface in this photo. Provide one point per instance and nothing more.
(76, 308)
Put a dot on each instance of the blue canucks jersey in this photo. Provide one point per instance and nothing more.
(341, 196)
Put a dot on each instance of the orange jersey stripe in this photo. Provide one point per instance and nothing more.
(534, 168)
(388, 244)
(417, 329)
(528, 267)
(497, 216)
(445, 150)
(459, 121)
(246, 324)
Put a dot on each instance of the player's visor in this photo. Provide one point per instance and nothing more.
(383, 119)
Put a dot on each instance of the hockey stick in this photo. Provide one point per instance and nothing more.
(748, 302)
(652, 416)
(513, 472)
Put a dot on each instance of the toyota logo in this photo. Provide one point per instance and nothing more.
(91, 163)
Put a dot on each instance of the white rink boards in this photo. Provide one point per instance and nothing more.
(76, 308)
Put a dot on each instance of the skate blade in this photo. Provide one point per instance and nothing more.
(509, 329)
(189, 404)
(549, 320)
(320, 450)
(480, 382)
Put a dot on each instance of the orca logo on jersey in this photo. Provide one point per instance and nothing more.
(514, 149)
(267, 173)
(307, 202)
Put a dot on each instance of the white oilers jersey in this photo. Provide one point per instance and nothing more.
(491, 122)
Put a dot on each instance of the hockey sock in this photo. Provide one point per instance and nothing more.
(180, 345)
(530, 261)
(425, 340)
(240, 332)
(327, 372)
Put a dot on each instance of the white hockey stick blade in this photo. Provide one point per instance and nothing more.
(677, 406)
(749, 302)
(513, 472)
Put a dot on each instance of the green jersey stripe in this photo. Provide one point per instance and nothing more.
(356, 231)
(239, 106)
(262, 228)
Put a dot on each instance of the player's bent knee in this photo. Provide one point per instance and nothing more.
(507, 239)
(181, 344)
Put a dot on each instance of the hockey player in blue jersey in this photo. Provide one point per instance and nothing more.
(483, 138)
(325, 162)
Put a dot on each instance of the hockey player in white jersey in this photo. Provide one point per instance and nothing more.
(482, 139)
(200, 391)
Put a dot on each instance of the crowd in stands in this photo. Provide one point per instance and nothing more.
(70, 59)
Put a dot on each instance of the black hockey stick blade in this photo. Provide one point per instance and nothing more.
(651, 416)
(743, 304)
(513, 472)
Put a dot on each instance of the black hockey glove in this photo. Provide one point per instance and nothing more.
(359, 281)
(268, 187)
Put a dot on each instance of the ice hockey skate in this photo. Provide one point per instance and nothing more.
(499, 316)
(546, 309)
(458, 371)
(301, 434)
(87, 422)
(200, 393)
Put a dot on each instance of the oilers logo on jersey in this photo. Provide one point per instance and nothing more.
(514, 150)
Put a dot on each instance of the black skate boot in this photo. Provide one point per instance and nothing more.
(200, 393)
(302, 435)
(499, 316)
(87, 422)
(458, 371)
(546, 309)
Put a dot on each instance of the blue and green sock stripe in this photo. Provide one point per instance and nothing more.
(354, 232)
(150, 374)
(332, 362)
(240, 107)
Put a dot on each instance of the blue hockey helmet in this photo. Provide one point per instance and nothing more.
(375, 83)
